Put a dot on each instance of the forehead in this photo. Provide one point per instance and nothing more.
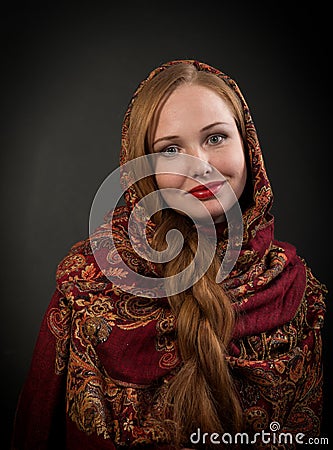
(193, 104)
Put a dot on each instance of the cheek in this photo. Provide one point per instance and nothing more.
(233, 166)
(238, 175)
(169, 181)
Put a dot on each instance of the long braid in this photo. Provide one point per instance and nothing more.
(202, 393)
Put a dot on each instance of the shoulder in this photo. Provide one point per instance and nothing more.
(79, 268)
(312, 305)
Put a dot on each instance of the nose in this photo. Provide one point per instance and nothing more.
(199, 164)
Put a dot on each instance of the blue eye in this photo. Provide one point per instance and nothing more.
(216, 139)
(170, 151)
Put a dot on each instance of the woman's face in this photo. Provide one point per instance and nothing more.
(196, 121)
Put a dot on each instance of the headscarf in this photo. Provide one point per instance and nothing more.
(118, 350)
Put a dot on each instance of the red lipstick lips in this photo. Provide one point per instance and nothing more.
(203, 192)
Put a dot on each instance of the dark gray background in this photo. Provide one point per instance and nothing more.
(68, 73)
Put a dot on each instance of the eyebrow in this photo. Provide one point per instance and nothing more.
(207, 127)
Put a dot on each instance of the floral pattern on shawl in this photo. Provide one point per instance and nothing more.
(277, 372)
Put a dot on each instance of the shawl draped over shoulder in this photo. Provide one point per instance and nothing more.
(104, 357)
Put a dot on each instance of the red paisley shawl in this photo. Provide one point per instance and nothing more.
(104, 357)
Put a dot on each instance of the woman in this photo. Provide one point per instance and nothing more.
(113, 368)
